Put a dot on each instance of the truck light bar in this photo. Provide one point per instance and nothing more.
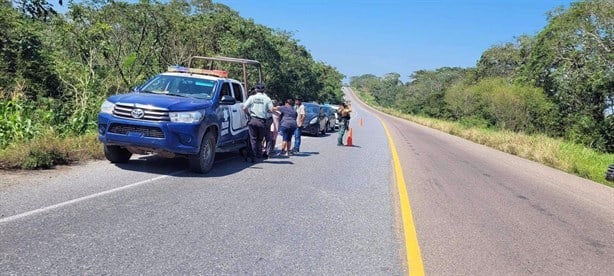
(182, 69)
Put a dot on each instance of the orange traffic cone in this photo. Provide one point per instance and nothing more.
(360, 121)
(349, 142)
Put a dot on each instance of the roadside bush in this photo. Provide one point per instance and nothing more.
(516, 106)
(39, 158)
(474, 121)
(22, 119)
(608, 133)
(586, 130)
(14, 124)
(501, 103)
(464, 102)
(50, 150)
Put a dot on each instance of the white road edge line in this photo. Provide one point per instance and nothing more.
(76, 200)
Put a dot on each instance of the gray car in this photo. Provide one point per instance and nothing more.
(331, 117)
(335, 108)
(315, 119)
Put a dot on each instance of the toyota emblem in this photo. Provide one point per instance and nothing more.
(137, 113)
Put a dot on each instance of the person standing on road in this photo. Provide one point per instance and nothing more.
(267, 132)
(300, 122)
(287, 125)
(273, 130)
(257, 106)
(344, 121)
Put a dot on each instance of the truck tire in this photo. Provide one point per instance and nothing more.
(202, 162)
(117, 154)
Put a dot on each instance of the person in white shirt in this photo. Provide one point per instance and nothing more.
(257, 106)
(273, 131)
(300, 121)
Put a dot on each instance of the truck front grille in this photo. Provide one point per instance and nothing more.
(150, 113)
(147, 131)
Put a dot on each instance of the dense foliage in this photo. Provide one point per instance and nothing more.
(559, 82)
(56, 69)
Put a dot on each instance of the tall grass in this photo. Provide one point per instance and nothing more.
(49, 150)
(38, 134)
(15, 124)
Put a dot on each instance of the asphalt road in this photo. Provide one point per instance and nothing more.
(479, 211)
(327, 211)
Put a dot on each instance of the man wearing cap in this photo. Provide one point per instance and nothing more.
(300, 121)
(257, 106)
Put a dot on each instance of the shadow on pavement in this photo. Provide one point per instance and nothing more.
(225, 164)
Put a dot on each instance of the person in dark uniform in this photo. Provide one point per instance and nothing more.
(257, 106)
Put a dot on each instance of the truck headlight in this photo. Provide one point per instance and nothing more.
(107, 107)
(313, 121)
(186, 117)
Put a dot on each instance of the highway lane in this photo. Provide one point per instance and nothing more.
(328, 210)
(479, 211)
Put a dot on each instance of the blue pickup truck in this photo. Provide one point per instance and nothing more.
(184, 112)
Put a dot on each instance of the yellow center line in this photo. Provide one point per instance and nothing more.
(414, 259)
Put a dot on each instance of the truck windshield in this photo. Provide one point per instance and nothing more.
(180, 86)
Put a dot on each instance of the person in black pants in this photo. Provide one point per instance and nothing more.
(258, 107)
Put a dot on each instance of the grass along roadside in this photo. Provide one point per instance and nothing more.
(50, 150)
(556, 153)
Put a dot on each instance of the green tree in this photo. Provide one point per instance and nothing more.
(364, 82)
(386, 90)
(331, 83)
(67, 64)
(37, 9)
(427, 89)
(26, 77)
(499, 61)
(572, 60)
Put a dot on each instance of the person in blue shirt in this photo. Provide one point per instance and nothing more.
(287, 125)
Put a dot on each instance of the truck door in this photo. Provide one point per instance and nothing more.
(239, 117)
(225, 114)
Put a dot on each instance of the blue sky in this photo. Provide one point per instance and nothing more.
(402, 36)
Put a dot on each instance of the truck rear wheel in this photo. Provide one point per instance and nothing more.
(202, 162)
(117, 154)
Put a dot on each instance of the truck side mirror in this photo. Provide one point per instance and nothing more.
(228, 100)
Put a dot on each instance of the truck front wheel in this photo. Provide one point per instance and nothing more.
(117, 154)
(202, 162)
